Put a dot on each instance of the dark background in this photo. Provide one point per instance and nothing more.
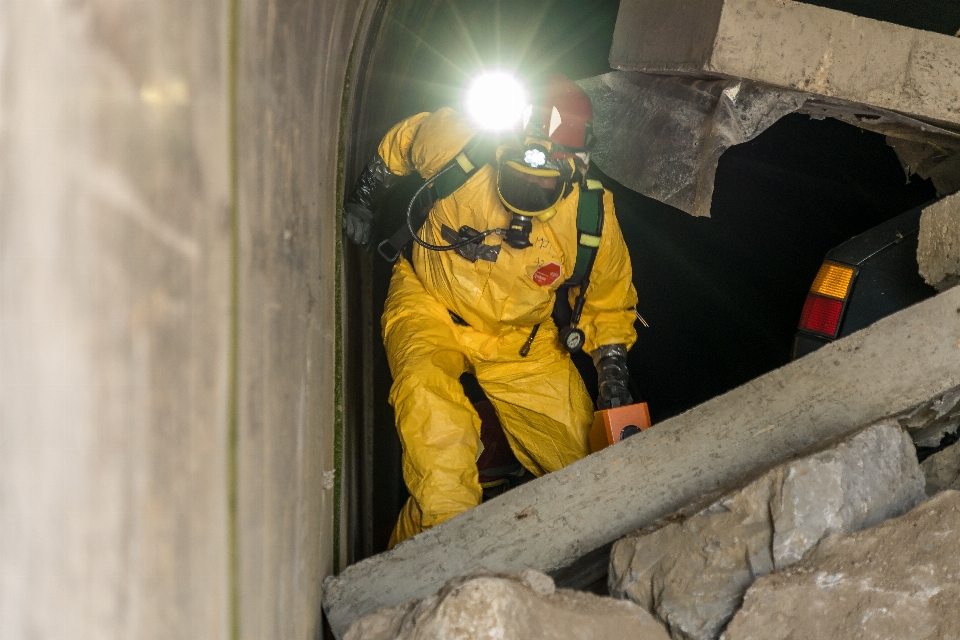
(722, 295)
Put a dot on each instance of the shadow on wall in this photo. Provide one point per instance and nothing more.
(722, 295)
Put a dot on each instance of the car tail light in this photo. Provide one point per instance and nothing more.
(827, 298)
(833, 280)
(821, 315)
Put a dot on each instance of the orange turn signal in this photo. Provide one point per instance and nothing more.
(833, 281)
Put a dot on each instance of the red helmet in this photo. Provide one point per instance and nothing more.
(562, 114)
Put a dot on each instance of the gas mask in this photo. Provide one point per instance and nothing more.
(530, 184)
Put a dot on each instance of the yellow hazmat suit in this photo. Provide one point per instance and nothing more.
(540, 399)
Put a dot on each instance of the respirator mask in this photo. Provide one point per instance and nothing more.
(530, 184)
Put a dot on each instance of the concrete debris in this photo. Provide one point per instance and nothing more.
(929, 422)
(885, 369)
(900, 579)
(942, 470)
(692, 574)
(938, 251)
(682, 125)
(934, 160)
(508, 607)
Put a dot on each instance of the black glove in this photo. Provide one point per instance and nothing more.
(358, 208)
(613, 376)
(358, 223)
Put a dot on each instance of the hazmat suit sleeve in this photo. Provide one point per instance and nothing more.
(610, 308)
(426, 142)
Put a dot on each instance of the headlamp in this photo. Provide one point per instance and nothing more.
(535, 158)
(495, 101)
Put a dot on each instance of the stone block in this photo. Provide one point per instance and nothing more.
(942, 470)
(509, 607)
(900, 579)
(692, 574)
(938, 250)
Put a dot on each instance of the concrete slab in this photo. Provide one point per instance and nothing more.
(663, 135)
(884, 370)
(793, 45)
(938, 249)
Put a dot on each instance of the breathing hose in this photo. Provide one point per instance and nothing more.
(447, 247)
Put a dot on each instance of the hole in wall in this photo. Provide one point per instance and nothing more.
(722, 295)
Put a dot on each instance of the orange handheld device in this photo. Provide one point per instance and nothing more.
(610, 426)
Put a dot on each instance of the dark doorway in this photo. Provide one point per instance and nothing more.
(722, 295)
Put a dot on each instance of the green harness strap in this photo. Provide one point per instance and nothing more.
(456, 177)
(589, 228)
(478, 153)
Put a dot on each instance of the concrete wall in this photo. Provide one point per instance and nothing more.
(167, 360)
(293, 61)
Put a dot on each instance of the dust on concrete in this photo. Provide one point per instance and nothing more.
(900, 579)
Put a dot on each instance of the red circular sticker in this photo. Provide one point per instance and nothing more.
(547, 274)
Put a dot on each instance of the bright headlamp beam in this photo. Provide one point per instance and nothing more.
(495, 101)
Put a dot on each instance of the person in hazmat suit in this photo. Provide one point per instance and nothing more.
(485, 306)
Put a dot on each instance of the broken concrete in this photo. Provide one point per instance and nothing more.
(942, 470)
(900, 579)
(509, 607)
(929, 422)
(897, 363)
(692, 574)
(938, 250)
(714, 73)
(681, 126)
(938, 162)
(793, 45)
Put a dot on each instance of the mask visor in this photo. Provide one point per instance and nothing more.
(528, 191)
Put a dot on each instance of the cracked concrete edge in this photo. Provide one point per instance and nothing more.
(794, 45)
(938, 247)
(883, 370)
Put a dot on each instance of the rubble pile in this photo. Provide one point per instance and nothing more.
(509, 607)
(800, 533)
(693, 574)
(900, 579)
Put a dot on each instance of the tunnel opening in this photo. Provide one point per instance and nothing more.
(721, 295)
